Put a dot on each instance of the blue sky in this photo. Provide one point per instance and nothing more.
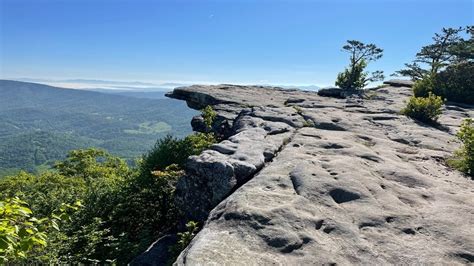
(235, 41)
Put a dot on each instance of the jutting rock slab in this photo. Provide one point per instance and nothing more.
(304, 179)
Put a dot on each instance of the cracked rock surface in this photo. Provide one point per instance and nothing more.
(304, 179)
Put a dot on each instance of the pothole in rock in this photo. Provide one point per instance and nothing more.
(333, 146)
(409, 231)
(340, 195)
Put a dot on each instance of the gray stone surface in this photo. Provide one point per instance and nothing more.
(305, 179)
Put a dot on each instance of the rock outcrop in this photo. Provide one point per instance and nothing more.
(304, 179)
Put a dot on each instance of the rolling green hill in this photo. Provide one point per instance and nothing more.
(40, 123)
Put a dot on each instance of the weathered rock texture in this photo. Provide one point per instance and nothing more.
(304, 179)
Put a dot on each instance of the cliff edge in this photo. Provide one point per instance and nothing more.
(304, 179)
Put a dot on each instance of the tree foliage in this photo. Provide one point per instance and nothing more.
(455, 83)
(463, 50)
(124, 209)
(446, 67)
(354, 77)
(22, 235)
(91, 164)
(44, 192)
(20, 232)
(448, 47)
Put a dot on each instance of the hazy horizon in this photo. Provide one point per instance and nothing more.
(129, 85)
(292, 43)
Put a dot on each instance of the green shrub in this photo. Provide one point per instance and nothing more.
(308, 123)
(91, 164)
(136, 212)
(455, 83)
(209, 115)
(124, 209)
(43, 192)
(92, 176)
(200, 141)
(20, 232)
(298, 109)
(166, 151)
(423, 87)
(127, 219)
(464, 157)
(184, 238)
(23, 237)
(353, 77)
(424, 109)
(170, 150)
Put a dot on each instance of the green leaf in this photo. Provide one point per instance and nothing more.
(39, 241)
(24, 232)
(54, 225)
(4, 244)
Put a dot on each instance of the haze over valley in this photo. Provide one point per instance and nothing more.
(39, 124)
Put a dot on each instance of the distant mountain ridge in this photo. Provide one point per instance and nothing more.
(104, 84)
(40, 123)
(95, 84)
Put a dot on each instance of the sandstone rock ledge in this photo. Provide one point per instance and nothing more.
(303, 179)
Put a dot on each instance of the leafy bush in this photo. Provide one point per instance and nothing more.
(141, 208)
(20, 233)
(464, 157)
(209, 115)
(91, 164)
(456, 83)
(445, 67)
(353, 77)
(423, 87)
(125, 209)
(22, 236)
(184, 238)
(199, 142)
(91, 176)
(43, 192)
(170, 150)
(424, 109)
(166, 151)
